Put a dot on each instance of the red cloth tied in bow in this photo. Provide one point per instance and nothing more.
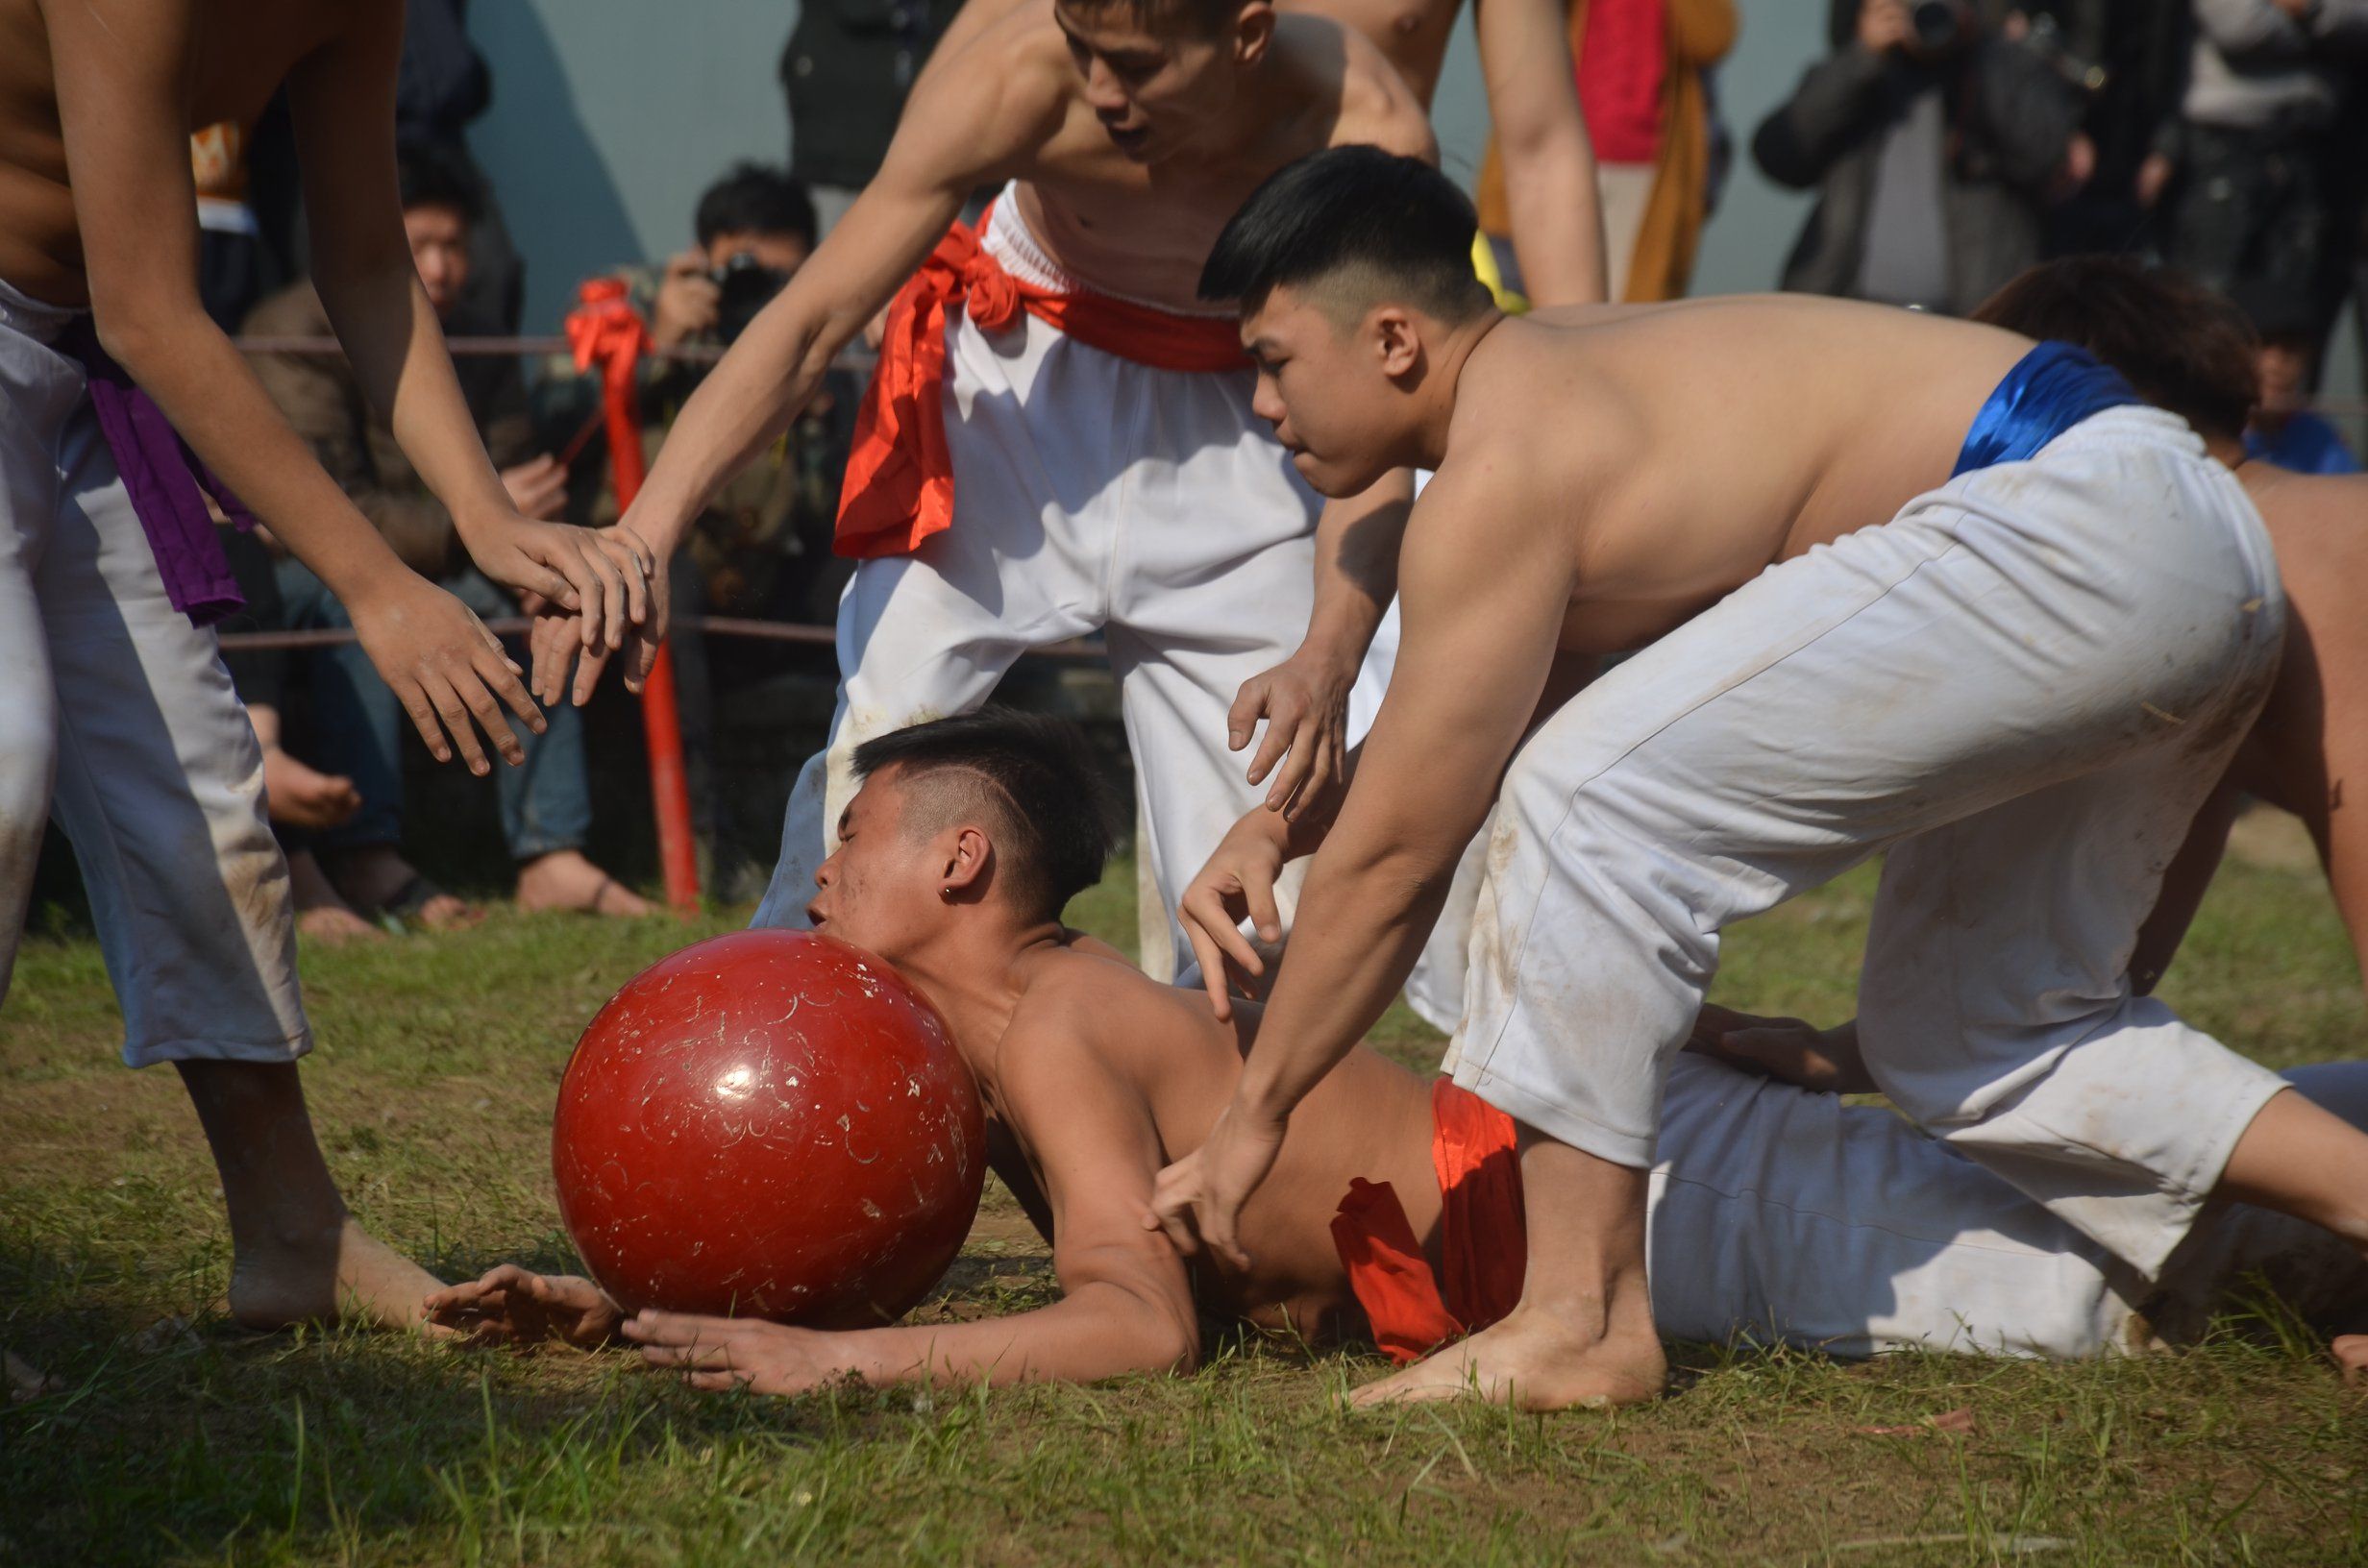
(900, 477)
(1486, 1246)
(604, 329)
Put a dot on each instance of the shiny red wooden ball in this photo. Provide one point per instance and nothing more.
(772, 1124)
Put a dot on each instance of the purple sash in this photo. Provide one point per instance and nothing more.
(162, 475)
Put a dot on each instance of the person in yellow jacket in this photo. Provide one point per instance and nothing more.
(1640, 76)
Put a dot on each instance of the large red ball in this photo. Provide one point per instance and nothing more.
(772, 1124)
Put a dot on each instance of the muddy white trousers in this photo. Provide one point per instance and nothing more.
(118, 712)
(2021, 688)
(1092, 495)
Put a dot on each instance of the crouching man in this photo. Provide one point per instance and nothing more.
(1776, 1213)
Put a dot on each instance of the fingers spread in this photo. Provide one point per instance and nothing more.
(414, 700)
(455, 716)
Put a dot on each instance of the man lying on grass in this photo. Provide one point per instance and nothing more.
(1776, 1213)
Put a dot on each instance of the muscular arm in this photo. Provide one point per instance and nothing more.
(1483, 592)
(961, 127)
(1550, 167)
(1125, 1302)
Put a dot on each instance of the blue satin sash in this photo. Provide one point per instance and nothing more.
(2050, 389)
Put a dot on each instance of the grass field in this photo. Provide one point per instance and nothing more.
(179, 1439)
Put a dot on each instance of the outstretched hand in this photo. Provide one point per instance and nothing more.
(567, 661)
(515, 1306)
(736, 1352)
(601, 579)
(1304, 702)
(449, 673)
(1199, 1200)
(1236, 884)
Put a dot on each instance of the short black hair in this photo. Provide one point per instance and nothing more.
(1035, 771)
(431, 176)
(2181, 345)
(1351, 209)
(756, 199)
(1202, 18)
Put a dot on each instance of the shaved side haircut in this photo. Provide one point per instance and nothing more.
(1034, 778)
(1353, 227)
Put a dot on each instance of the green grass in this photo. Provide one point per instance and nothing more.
(180, 1440)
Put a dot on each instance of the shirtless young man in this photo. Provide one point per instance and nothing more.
(1776, 1213)
(108, 579)
(2188, 350)
(1059, 439)
(2020, 681)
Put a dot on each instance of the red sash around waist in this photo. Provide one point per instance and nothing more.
(900, 477)
(1482, 1231)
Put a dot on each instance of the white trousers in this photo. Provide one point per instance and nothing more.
(1779, 1216)
(118, 713)
(1092, 495)
(2022, 687)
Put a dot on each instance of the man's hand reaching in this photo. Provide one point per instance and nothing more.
(514, 1305)
(559, 641)
(1198, 1200)
(1238, 884)
(446, 669)
(1304, 702)
(1827, 1060)
(600, 579)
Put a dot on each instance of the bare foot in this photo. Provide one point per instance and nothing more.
(564, 880)
(1533, 1362)
(302, 796)
(374, 876)
(321, 916)
(342, 1275)
(2351, 1356)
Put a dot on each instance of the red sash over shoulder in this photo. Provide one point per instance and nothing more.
(900, 477)
(1487, 1248)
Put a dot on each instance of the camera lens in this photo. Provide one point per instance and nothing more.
(1936, 24)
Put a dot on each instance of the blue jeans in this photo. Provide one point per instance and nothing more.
(357, 726)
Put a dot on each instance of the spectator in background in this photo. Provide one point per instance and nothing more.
(356, 724)
(763, 547)
(846, 72)
(442, 84)
(1934, 136)
(2283, 430)
(2252, 197)
(2131, 57)
(1640, 68)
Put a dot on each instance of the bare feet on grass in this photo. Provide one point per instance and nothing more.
(1533, 1361)
(321, 916)
(565, 880)
(339, 1274)
(375, 876)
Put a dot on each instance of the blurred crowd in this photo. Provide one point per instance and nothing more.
(1948, 144)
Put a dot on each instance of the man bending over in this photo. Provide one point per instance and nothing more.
(1395, 1207)
(1910, 585)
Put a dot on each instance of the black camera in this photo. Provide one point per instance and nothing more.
(1940, 26)
(744, 285)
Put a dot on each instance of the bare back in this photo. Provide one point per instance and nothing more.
(242, 51)
(2309, 753)
(1368, 1118)
(1669, 453)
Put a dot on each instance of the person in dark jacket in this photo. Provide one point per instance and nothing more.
(1933, 135)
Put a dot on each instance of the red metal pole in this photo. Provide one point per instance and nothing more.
(616, 337)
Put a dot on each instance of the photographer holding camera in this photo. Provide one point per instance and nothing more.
(1934, 134)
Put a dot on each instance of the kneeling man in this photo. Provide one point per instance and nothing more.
(1909, 585)
(1396, 1205)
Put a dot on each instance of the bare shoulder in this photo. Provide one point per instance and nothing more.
(1007, 90)
(1374, 105)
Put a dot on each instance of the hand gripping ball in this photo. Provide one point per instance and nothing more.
(772, 1124)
